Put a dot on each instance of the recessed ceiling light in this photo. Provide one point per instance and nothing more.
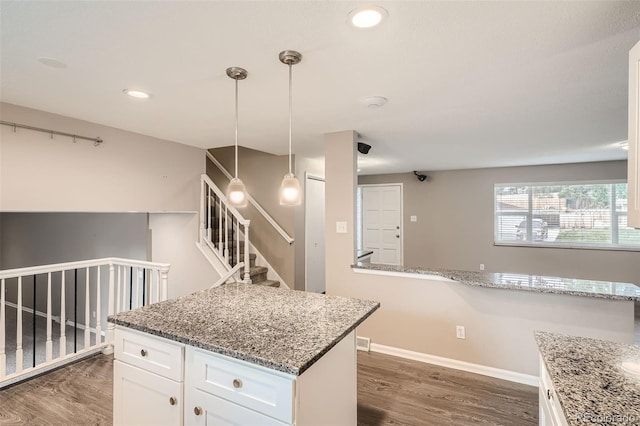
(624, 145)
(138, 94)
(51, 62)
(367, 17)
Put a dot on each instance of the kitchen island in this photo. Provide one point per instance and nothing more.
(584, 381)
(239, 354)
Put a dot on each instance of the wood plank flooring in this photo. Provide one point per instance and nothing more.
(391, 391)
(396, 391)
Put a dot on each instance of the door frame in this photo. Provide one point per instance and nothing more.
(308, 176)
(400, 184)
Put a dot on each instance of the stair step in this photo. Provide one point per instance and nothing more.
(268, 283)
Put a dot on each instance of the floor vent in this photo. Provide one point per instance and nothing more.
(362, 343)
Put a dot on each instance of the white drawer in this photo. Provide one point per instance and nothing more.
(206, 409)
(239, 382)
(142, 398)
(151, 353)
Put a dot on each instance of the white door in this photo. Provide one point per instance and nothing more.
(382, 222)
(314, 234)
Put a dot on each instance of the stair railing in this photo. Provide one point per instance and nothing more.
(253, 202)
(223, 228)
(57, 313)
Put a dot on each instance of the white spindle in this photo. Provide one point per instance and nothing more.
(109, 338)
(220, 227)
(247, 266)
(98, 313)
(49, 344)
(226, 233)
(124, 289)
(3, 356)
(137, 301)
(87, 313)
(201, 234)
(63, 316)
(165, 282)
(209, 213)
(19, 328)
(117, 296)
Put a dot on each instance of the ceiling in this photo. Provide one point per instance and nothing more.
(470, 84)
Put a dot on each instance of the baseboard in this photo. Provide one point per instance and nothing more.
(498, 373)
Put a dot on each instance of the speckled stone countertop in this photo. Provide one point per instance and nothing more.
(589, 380)
(281, 329)
(536, 283)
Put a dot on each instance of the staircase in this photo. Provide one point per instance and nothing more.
(224, 236)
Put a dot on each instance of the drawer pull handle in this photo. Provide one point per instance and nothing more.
(237, 383)
(197, 411)
(143, 352)
(173, 400)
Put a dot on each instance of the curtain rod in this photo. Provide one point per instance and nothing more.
(96, 141)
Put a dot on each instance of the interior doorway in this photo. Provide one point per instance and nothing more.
(314, 234)
(380, 221)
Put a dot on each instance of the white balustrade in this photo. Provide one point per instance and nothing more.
(222, 227)
(127, 284)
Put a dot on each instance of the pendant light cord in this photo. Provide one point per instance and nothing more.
(236, 127)
(290, 102)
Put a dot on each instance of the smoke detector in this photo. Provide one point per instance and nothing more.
(373, 101)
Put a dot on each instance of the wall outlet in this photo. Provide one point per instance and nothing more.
(482, 266)
(414, 218)
(460, 332)
(341, 227)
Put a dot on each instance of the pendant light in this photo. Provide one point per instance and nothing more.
(290, 187)
(236, 192)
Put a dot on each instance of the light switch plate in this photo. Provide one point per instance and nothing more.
(414, 218)
(341, 227)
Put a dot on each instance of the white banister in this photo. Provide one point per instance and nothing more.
(223, 279)
(98, 334)
(253, 202)
(227, 221)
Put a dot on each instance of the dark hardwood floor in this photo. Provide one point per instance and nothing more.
(391, 391)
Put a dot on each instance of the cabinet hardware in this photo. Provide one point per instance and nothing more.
(237, 383)
(197, 411)
(143, 352)
(173, 400)
(397, 236)
(548, 393)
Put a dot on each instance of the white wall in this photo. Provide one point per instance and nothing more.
(420, 315)
(173, 239)
(128, 172)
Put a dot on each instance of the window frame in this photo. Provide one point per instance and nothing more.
(529, 242)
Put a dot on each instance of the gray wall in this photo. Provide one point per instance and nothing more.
(420, 315)
(31, 239)
(455, 223)
(262, 173)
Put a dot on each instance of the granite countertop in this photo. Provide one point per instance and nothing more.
(281, 329)
(536, 283)
(589, 380)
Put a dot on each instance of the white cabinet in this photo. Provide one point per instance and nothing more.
(161, 382)
(147, 380)
(633, 175)
(550, 410)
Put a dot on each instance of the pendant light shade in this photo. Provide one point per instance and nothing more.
(236, 191)
(290, 194)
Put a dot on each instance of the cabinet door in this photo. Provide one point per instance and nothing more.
(203, 409)
(633, 175)
(144, 398)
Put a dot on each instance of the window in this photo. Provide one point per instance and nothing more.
(585, 215)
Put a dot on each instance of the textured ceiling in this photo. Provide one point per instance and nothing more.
(470, 84)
